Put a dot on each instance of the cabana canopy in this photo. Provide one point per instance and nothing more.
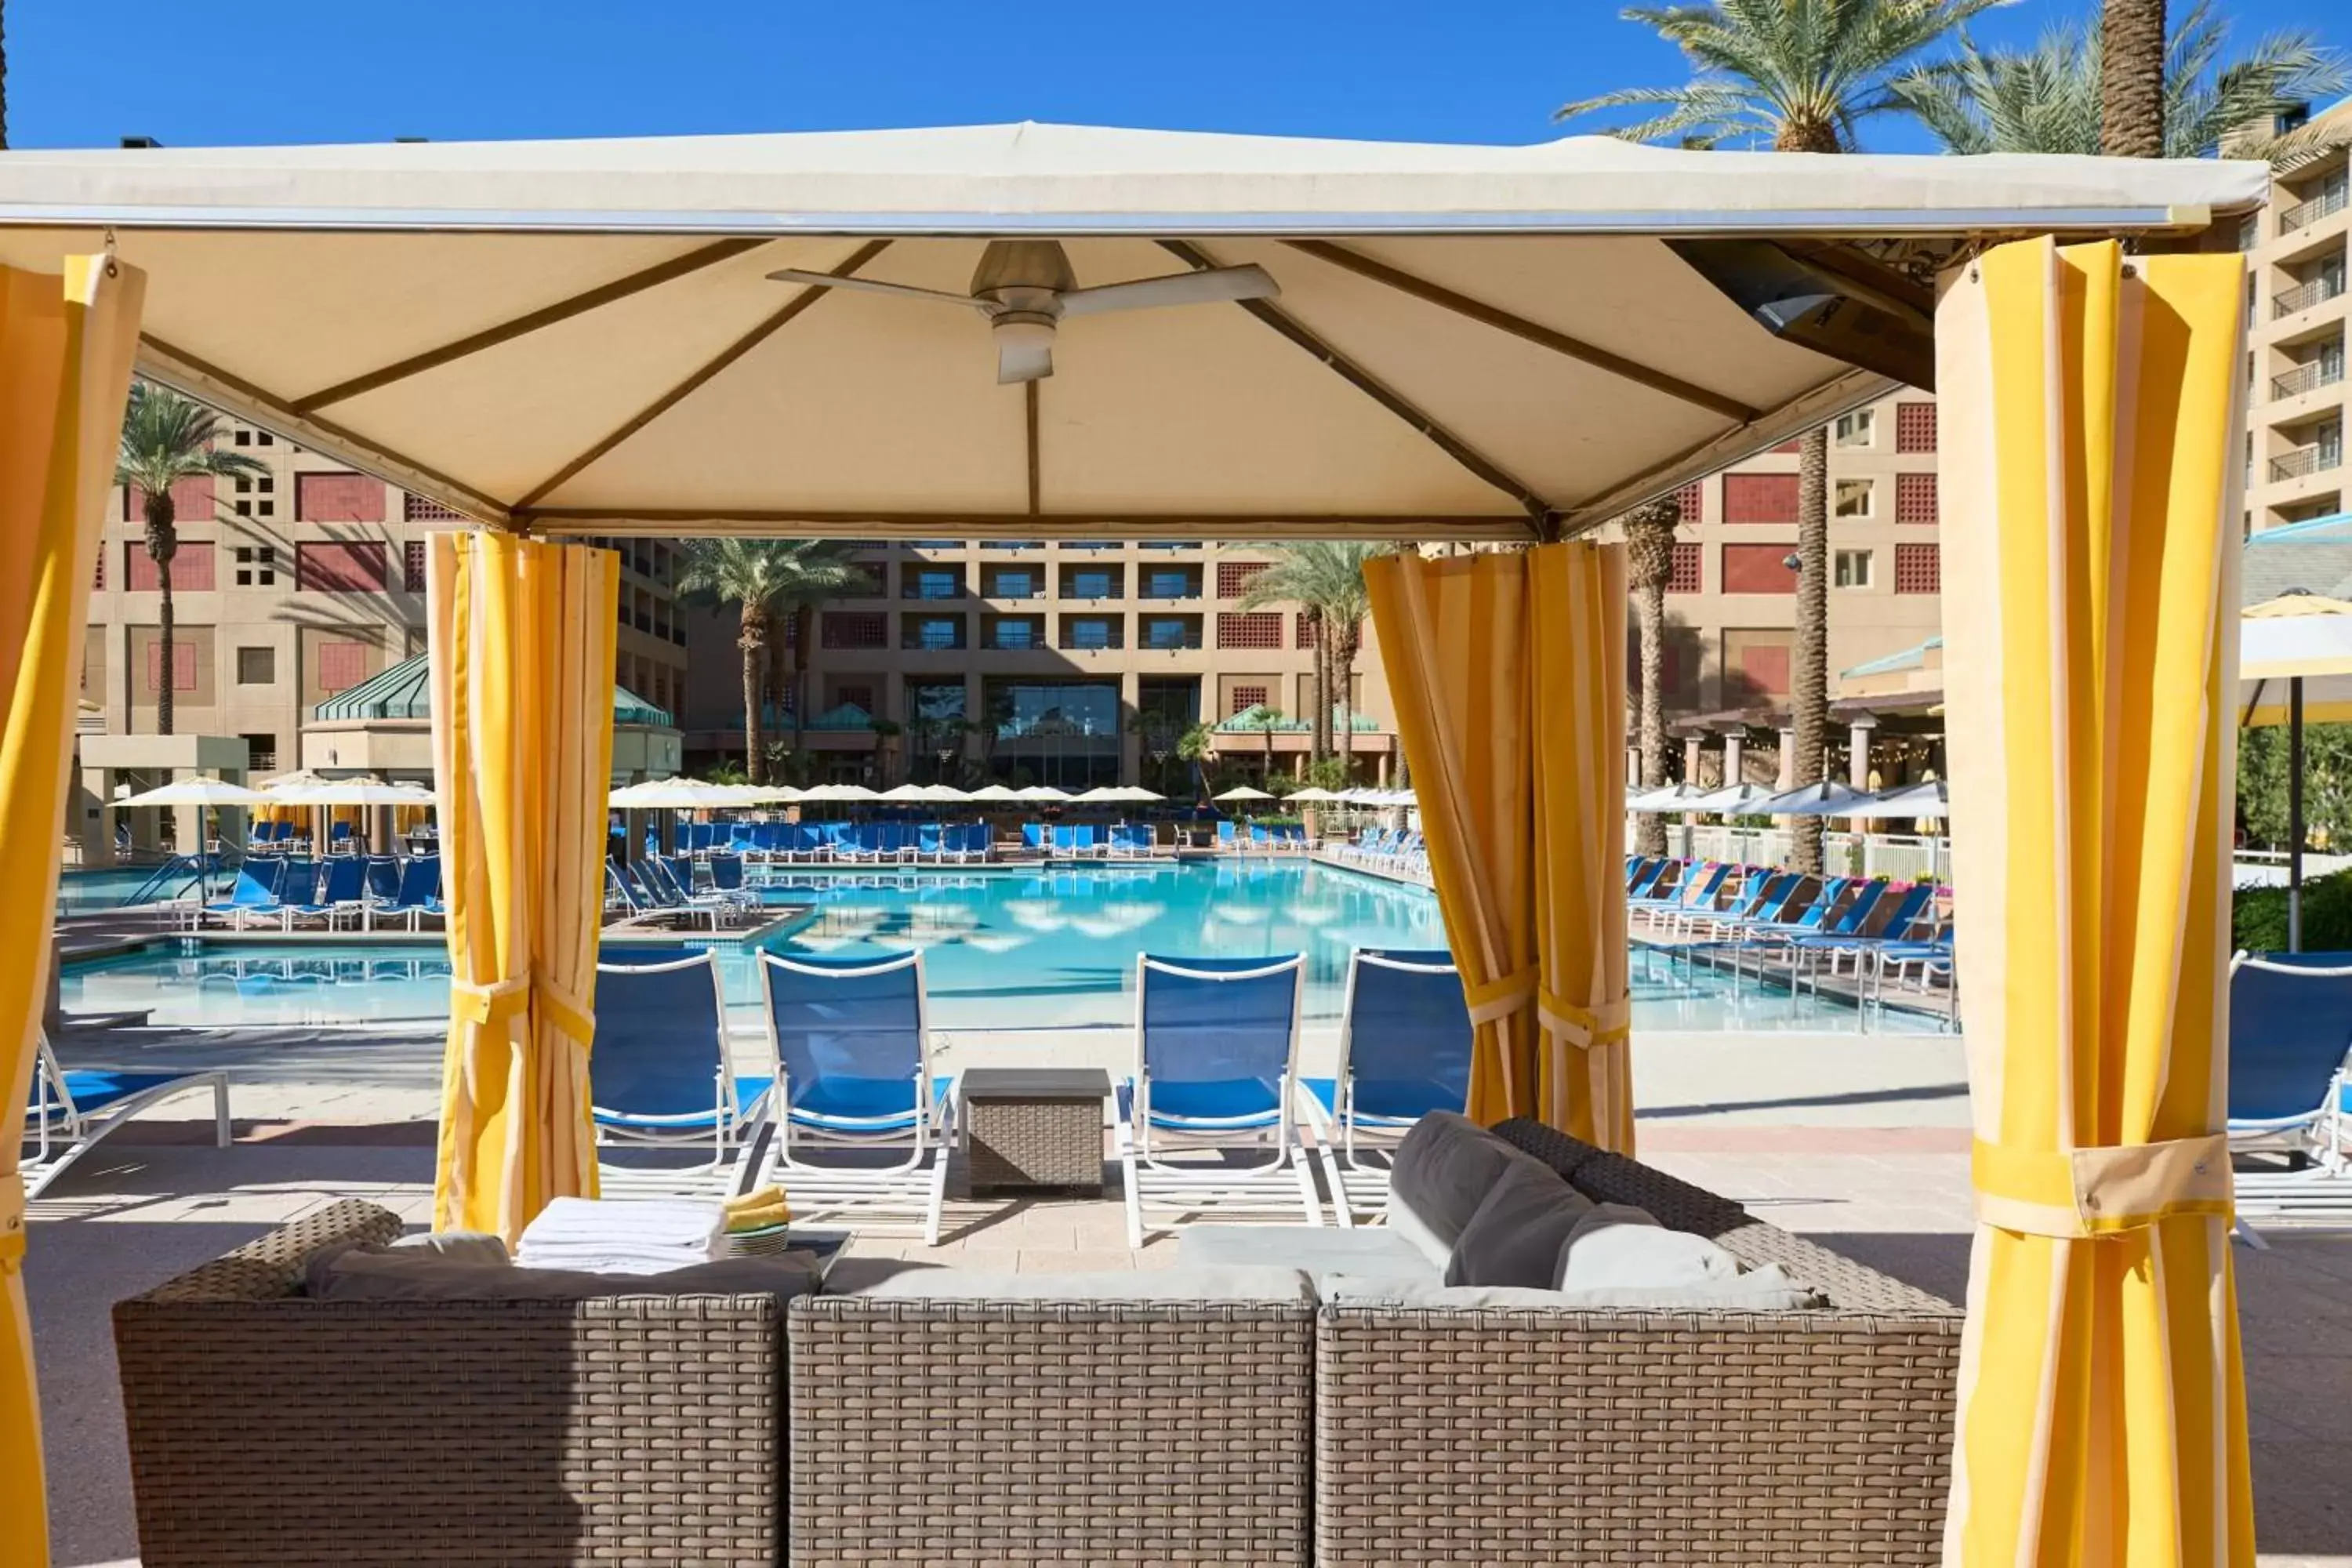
(583, 337)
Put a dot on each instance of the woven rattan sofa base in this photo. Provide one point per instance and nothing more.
(1557, 1437)
(1030, 1432)
(267, 1428)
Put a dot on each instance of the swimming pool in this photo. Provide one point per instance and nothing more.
(1001, 949)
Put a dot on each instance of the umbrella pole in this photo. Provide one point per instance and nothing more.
(2294, 814)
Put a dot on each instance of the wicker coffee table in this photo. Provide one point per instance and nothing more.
(1027, 1128)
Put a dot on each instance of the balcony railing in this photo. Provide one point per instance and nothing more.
(932, 641)
(2318, 291)
(1171, 640)
(2303, 215)
(1080, 642)
(2305, 460)
(2306, 378)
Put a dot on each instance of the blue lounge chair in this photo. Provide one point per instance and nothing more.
(726, 879)
(1227, 839)
(1404, 1051)
(1216, 1070)
(70, 1111)
(853, 1049)
(1033, 837)
(418, 895)
(343, 891)
(661, 1073)
(1763, 897)
(254, 892)
(2289, 1033)
(1065, 839)
(1858, 934)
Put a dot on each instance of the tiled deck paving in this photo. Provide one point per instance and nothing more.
(1862, 1142)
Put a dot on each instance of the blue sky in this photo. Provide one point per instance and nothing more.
(368, 70)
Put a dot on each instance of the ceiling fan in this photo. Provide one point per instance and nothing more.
(1025, 287)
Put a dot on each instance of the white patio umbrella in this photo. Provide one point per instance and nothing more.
(995, 792)
(770, 795)
(2294, 668)
(1930, 799)
(1825, 799)
(945, 793)
(684, 795)
(909, 792)
(1243, 791)
(1101, 795)
(1043, 792)
(199, 792)
(1315, 794)
(1678, 798)
(352, 792)
(1737, 800)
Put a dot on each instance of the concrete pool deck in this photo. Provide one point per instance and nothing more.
(1861, 1141)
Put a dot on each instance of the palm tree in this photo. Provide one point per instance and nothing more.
(167, 439)
(2052, 98)
(1806, 74)
(1193, 746)
(1325, 578)
(1265, 720)
(2131, 96)
(764, 578)
(1650, 562)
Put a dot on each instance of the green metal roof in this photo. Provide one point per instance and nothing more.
(404, 691)
(1245, 723)
(1909, 658)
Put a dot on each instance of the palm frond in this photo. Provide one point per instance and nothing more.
(167, 438)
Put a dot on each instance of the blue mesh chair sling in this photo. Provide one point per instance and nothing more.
(853, 1051)
(660, 1072)
(256, 890)
(342, 891)
(2289, 1033)
(1404, 1051)
(1216, 1071)
(69, 1111)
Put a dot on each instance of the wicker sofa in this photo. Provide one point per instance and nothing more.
(266, 1428)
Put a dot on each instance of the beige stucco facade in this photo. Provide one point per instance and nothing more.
(2296, 307)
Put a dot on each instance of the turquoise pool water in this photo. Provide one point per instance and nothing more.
(1001, 950)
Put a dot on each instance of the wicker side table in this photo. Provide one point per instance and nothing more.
(1029, 1127)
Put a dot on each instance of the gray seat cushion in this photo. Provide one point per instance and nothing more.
(1519, 1233)
(1183, 1282)
(1375, 1252)
(1442, 1171)
(1764, 1289)
(1616, 1247)
(418, 1274)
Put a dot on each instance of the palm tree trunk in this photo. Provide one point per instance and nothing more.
(1650, 834)
(162, 544)
(2131, 79)
(1809, 695)
(802, 615)
(1345, 653)
(754, 646)
(1318, 732)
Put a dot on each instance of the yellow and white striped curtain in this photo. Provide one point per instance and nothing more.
(66, 347)
(522, 743)
(2090, 438)
(1507, 671)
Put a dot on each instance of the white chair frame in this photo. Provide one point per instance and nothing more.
(1343, 1140)
(44, 1129)
(2321, 1193)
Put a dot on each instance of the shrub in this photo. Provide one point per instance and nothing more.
(2258, 916)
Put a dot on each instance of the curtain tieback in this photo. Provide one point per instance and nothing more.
(1585, 1027)
(1501, 997)
(12, 1221)
(2077, 1193)
(506, 1000)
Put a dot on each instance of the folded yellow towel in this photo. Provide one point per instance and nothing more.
(759, 1219)
(766, 1197)
(757, 1211)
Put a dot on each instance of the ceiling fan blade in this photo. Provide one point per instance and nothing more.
(1213, 285)
(1017, 363)
(875, 286)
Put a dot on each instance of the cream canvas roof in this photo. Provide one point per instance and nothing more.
(580, 336)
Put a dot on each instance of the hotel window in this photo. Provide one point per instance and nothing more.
(853, 630)
(416, 508)
(1010, 584)
(1688, 501)
(1859, 428)
(1233, 576)
(1091, 584)
(1759, 498)
(184, 667)
(260, 750)
(1304, 629)
(342, 664)
(1915, 498)
(1246, 697)
(257, 666)
(1089, 632)
(1260, 629)
(412, 566)
(1170, 632)
(1689, 570)
(1915, 426)
(336, 498)
(257, 565)
(1016, 633)
(858, 697)
(933, 634)
(1853, 499)
(930, 583)
(1918, 569)
(192, 567)
(356, 567)
(1169, 585)
(1850, 569)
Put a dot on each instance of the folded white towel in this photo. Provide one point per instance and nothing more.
(628, 1236)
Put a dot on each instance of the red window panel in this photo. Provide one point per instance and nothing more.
(1261, 628)
(1689, 500)
(338, 498)
(1306, 631)
(1688, 575)
(417, 509)
(191, 500)
(322, 567)
(184, 667)
(1758, 569)
(1914, 497)
(342, 664)
(1759, 498)
(98, 584)
(412, 566)
(1796, 445)
(1248, 697)
(1915, 426)
(1765, 666)
(192, 567)
(1233, 577)
(842, 628)
(1918, 569)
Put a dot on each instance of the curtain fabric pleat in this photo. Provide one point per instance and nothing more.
(2088, 407)
(66, 347)
(1508, 673)
(522, 655)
